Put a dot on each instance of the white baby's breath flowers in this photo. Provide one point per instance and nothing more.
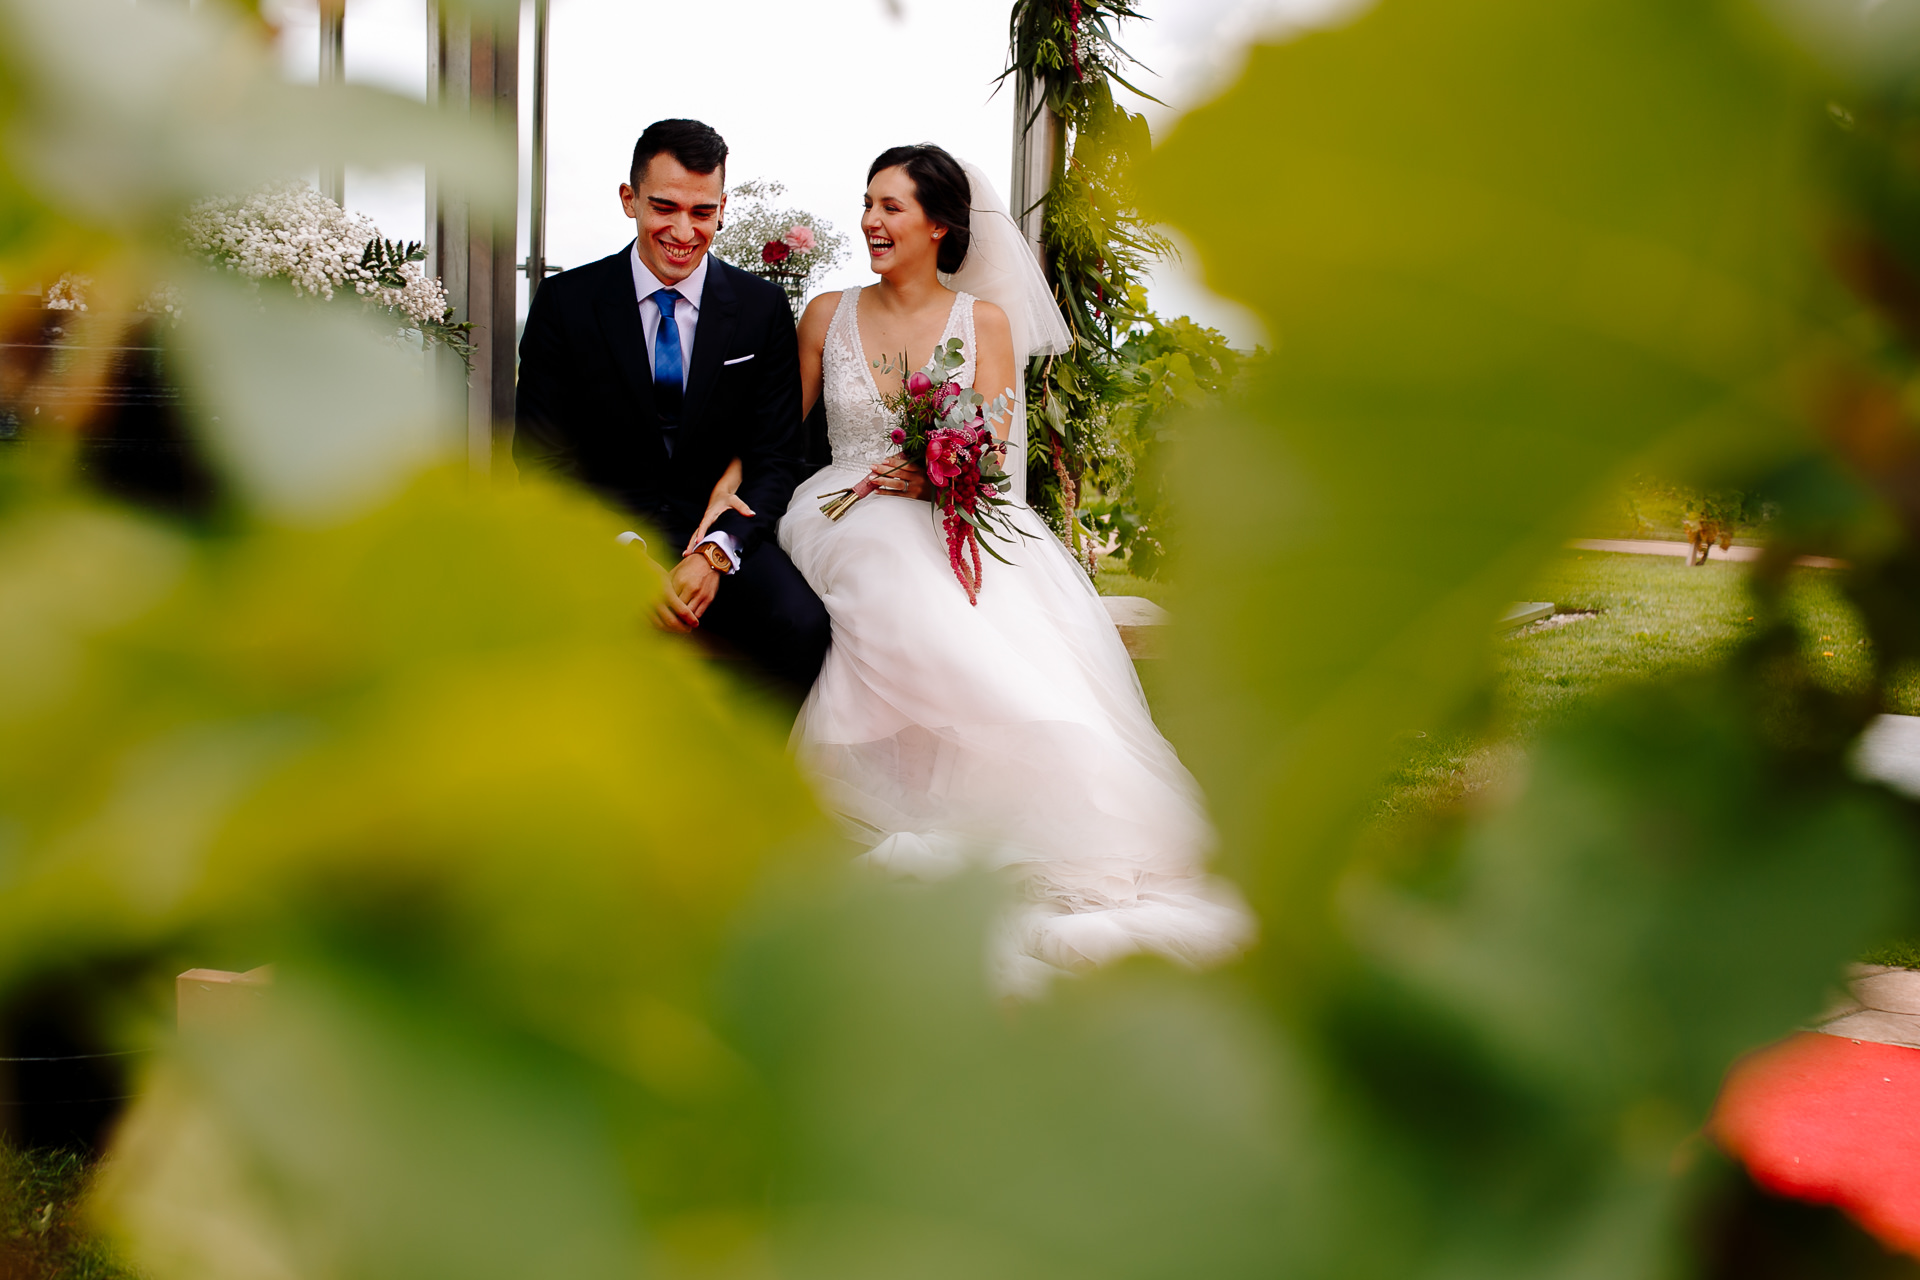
(163, 303)
(68, 293)
(287, 230)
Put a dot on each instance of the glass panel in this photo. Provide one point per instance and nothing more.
(386, 46)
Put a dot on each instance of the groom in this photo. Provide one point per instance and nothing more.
(644, 374)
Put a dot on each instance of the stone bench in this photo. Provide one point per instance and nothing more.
(1141, 624)
(212, 998)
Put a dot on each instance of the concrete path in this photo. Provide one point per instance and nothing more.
(1648, 547)
(1883, 1005)
(1889, 752)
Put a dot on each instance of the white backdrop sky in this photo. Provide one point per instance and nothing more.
(804, 94)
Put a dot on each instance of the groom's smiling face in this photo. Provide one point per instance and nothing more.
(677, 212)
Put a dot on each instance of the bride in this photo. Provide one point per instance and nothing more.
(1010, 734)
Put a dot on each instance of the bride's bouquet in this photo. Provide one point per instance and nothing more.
(943, 430)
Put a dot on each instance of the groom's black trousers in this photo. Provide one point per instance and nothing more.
(766, 611)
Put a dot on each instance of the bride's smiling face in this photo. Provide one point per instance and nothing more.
(899, 234)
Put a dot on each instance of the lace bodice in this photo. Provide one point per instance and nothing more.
(858, 426)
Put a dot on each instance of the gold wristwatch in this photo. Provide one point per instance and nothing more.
(715, 556)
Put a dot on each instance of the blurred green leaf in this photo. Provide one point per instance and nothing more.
(1631, 924)
(1503, 248)
(350, 1130)
(1136, 1125)
(451, 706)
(299, 440)
(124, 114)
(1869, 42)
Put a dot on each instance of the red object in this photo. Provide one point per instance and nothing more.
(1832, 1121)
(776, 251)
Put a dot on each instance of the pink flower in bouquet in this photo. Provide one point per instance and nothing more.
(988, 491)
(776, 251)
(799, 238)
(948, 394)
(946, 455)
(918, 383)
(899, 435)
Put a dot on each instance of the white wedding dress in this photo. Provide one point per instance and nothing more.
(1009, 734)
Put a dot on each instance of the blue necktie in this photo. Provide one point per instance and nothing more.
(667, 366)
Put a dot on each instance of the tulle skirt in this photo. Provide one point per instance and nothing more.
(1012, 733)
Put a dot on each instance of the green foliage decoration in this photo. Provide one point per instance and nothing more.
(1165, 371)
(1095, 243)
(383, 259)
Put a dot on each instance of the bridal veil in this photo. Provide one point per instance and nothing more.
(1002, 268)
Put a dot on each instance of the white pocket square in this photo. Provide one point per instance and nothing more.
(738, 359)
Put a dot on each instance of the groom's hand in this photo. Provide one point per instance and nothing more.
(691, 587)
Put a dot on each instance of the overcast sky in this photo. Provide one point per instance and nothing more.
(806, 94)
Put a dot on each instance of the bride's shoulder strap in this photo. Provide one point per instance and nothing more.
(843, 310)
(963, 316)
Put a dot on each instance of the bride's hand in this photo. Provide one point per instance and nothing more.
(723, 499)
(900, 478)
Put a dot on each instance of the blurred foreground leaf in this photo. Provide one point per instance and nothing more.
(267, 365)
(1508, 252)
(1505, 248)
(1137, 1125)
(125, 114)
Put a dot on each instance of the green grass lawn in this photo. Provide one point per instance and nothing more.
(1655, 616)
(1658, 615)
(43, 1234)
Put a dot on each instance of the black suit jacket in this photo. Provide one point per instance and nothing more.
(585, 406)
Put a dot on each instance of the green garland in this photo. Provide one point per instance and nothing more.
(1096, 246)
(1103, 413)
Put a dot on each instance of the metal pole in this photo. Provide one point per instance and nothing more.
(536, 264)
(333, 70)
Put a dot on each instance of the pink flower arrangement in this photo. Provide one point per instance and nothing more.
(799, 239)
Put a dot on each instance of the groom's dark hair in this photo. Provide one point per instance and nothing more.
(693, 144)
(942, 188)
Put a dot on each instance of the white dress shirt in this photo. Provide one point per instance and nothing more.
(686, 314)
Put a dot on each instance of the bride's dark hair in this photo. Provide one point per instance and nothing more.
(941, 187)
